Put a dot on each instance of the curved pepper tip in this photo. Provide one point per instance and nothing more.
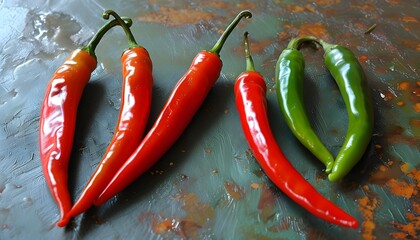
(352, 224)
(63, 222)
(329, 167)
(347, 221)
(334, 176)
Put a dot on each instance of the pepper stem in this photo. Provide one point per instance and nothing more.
(326, 46)
(93, 43)
(249, 62)
(131, 40)
(296, 42)
(219, 44)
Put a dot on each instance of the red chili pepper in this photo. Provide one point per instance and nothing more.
(183, 103)
(134, 112)
(58, 116)
(250, 94)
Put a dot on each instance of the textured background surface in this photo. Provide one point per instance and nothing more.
(208, 186)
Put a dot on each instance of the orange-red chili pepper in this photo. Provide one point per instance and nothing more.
(134, 112)
(250, 98)
(183, 103)
(58, 116)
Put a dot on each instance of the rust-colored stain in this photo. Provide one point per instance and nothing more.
(415, 126)
(391, 175)
(234, 190)
(163, 226)
(414, 174)
(316, 29)
(396, 134)
(394, 176)
(393, 2)
(260, 46)
(367, 206)
(324, 3)
(256, 47)
(400, 103)
(410, 229)
(363, 58)
(255, 185)
(367, 6)
(387, 95)
(401, 188)
(415, 123)
(411, 93)
(300, 8)
(386, 172)
(176, 16)
(172, 16)
(283, 36)
(245, 5)
(266, 203)
(381, 70)
(404, 85)
(295, 8)
(217, 4)
(196, 211)
(417, 92)
(197, 214)
(417, 107)
(182, 228)
(409, 19)
(413, 44)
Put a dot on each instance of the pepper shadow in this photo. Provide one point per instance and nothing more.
(206, 117)
(92, 98)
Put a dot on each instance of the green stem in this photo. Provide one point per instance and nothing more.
(131, 40)
(93, 43)
(249, 62)
(296, 42)
(219, 44)
(371, 29)
(326, 46)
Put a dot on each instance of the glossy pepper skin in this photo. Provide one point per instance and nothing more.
(349, 76)
(57, 122)
(290, 89)
(251, 103)
(58, 117)
(184, 101)
(133, 115)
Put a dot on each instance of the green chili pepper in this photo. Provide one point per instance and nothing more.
(289, 86)
(348, 74)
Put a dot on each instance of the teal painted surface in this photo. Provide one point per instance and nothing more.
(208, 186)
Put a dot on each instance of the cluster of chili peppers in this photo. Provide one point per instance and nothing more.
(129, 154)
(250, 98)
(349, 76)
(58, 116)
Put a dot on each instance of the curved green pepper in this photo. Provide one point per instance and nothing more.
(289, 86)
(348, 74)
